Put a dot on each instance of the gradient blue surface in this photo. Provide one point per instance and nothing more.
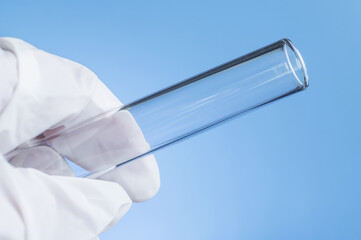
(291, 170)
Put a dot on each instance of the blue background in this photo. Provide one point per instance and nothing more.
(291, 170)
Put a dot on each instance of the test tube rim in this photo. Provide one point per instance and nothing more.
(303, 82)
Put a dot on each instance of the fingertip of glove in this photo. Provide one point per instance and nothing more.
(111, 198)
(147, 193)
(140, 178)
(123, 209)
(117, 200)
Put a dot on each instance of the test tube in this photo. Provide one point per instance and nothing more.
(219, 94)
(192, 106)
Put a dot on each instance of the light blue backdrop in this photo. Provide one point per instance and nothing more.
(291, 170)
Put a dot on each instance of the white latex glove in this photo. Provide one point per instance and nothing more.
(43, 94)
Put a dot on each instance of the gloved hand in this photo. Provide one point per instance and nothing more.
(42, 95)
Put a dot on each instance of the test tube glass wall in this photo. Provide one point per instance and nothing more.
(217, 95)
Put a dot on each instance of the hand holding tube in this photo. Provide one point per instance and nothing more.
(197, 104)
(53, 94)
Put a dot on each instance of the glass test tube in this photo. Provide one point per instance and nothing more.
(189, 107)
(219, 94)
(224, 92)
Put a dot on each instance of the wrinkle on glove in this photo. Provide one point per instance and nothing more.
(42, 158)
(40, 207)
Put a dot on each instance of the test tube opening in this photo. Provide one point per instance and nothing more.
(296, 63)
